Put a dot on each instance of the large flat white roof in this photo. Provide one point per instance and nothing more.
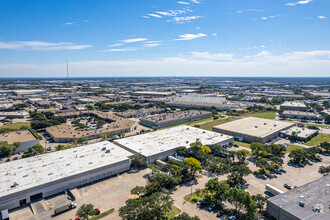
(164, 140)
(257, 127)
(41, 169)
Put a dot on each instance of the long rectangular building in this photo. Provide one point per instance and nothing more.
(309, 201)
(25, 180)
(253, 129)
(170, 119)
(160, 144)
(25, 137)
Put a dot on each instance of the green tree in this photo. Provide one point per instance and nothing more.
(182, 151)
(205, 149)
(85, 211)
(217, 189)
(194, 166)
(298, 155)
(324, 170)
(260, 201)
(139, 190)
(16, 145)
(263, 164)
(185, 216)
(137, 161)
(33, 151)
(242, 201)
(154, 206)
(237, 173)
(165, 180)
(258, 150)
(82, 140)
(5, 149)
(242, 154)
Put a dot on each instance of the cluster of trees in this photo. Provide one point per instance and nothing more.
(324, 170)
(7, 149)
(245, 205)
(267, 157)
(85, 211)
(42, 120)
(302, 155)
(33, 151)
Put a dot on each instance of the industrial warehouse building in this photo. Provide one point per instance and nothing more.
(26, 137)
(68, 133)
(293, 106)
(253, 129)
(160, 144)
(25, 180)
(300, 114)
(303, 134)
(170, 119)
(309, 201)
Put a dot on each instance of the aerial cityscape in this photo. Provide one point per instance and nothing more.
(164, 110)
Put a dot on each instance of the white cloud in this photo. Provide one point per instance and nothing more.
(209, 56)
(155, 15)
(38, 45)
(133, 40)
(294, 64)
(122, 49)
(70, 24)
(214, 34)
(183, 19)
(196, 1)
(303, 2)
(173, 12)
(115, 45)
(321, 17)
(183, 3)
(264, 18)
(145, 16)
(151, 45)
(190, 36)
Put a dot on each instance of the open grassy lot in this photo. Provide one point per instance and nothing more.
(321, 126)
(173, 212)
(320, 138)
(267, 115)
(209, 125)
(192, 122)
(243, 144)
(16, 125)
(292, 147)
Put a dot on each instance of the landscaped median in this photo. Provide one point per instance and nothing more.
(292, 147)
(173, 212)
(103, 214)
(196, 196)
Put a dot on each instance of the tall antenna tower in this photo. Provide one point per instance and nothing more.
(67, 70)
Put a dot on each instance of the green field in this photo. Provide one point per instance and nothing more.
(320, 138)
(267, 115)
(322, 126)
(191, 123)
(16, 125)
(243, 144)
(209, 125)
(292, 147)
(173, 212)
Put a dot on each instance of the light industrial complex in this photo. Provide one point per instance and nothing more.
(170, 119)
(253, 129)
(309, 201)
(26, 137)
(41, 176)
(160, 144)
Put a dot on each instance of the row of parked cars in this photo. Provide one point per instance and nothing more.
(272, 175)
(220, 214)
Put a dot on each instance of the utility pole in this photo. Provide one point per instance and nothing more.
(67, 70)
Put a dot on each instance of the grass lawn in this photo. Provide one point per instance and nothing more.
(292, 147)
(322, 126)
(267, 115)
(320, 138)
(194, 198)
(102, 214)
(16, 125)
(209, 125)
(243, 144)
(192, 122)
(173, 212)
(48, 110)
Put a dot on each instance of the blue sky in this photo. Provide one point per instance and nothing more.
(164, 38)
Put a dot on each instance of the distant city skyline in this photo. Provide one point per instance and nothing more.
(132, 38)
